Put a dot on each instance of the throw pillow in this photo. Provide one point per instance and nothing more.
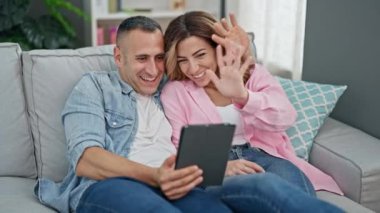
(313, 103)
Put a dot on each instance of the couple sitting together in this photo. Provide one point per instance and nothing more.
(122, 128)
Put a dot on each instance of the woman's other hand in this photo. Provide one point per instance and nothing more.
(242, 167)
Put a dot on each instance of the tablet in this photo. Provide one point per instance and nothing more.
(206, 146)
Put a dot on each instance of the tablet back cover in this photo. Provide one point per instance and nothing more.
(207, 147)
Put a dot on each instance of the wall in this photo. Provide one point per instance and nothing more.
(342, 46)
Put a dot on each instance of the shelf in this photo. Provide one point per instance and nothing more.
(153, 14)
(100, 19)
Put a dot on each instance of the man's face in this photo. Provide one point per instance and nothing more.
(140, 59)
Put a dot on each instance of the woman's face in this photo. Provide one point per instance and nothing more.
(194, 57)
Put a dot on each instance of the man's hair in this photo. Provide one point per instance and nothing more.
(136, 22)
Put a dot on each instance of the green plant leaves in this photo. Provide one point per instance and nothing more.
(12, 13)
(50, 31)
(54, 7)
(17, 36)
(46, 32)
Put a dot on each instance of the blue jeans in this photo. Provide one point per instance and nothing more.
(281, 167)
(266, 192)
(128, 195)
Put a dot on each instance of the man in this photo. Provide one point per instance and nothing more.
(120, 151)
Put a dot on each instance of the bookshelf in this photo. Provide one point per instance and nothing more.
(102, 26)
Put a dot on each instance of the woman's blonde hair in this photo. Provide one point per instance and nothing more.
(195, 23)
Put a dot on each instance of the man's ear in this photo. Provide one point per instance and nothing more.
(117, 56)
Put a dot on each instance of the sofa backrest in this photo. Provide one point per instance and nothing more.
(49, 76)
(16, 146)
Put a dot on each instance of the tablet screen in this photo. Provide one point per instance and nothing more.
(207, 147)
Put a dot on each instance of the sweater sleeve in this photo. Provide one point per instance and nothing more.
(174, 109)
(268, 107)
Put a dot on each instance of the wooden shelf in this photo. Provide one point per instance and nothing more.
(153, 14)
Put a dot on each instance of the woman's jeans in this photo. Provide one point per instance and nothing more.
(271, 164)
(267, 192)
(128, 195)
(263, 192)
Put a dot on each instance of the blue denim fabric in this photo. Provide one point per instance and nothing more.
(266, 192)
(281, 167)
(100, 111)
(135, 196)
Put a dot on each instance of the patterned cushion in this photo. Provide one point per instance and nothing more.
(313, 102)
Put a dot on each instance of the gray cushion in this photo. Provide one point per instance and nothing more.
(16, 147)
(17, 196)
(49, 77)
(344, 203)
(351, 157)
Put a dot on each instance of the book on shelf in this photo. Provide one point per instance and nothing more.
(112, 34)
(100, 36)
(114, 6)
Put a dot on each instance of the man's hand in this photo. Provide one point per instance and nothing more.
(233, 32)
(242, 167)
(177, 183)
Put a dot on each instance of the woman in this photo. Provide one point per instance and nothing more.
(208, 86)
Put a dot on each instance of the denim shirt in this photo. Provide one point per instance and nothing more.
(100, 112)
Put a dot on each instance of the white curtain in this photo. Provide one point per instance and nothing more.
(279, 27)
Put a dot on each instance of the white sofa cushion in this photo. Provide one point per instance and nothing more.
(49, 77)
(17, 196)
(16, 146)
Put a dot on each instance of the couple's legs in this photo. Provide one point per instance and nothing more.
(281, 167)
(267, 192)
(127, 195)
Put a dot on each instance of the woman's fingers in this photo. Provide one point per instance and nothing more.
(219, 29)
(225, 24)
(233, 20)
(254, 166)
(219, 40)
(212, 76)
(242, 166)
(245, 65)
(219, 56)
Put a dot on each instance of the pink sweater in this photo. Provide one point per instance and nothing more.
(266, 116)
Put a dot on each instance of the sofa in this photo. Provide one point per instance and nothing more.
(35, 84)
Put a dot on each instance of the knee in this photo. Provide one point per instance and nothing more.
(253, 182)
(198, 200)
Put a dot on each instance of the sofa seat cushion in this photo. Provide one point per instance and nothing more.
(17, 196)
(16, 146)
(343, 202)
(350, 156)
(49, 77)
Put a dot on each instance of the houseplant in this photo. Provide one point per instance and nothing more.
(49, 31)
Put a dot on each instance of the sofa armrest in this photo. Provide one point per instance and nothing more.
(350, 156)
